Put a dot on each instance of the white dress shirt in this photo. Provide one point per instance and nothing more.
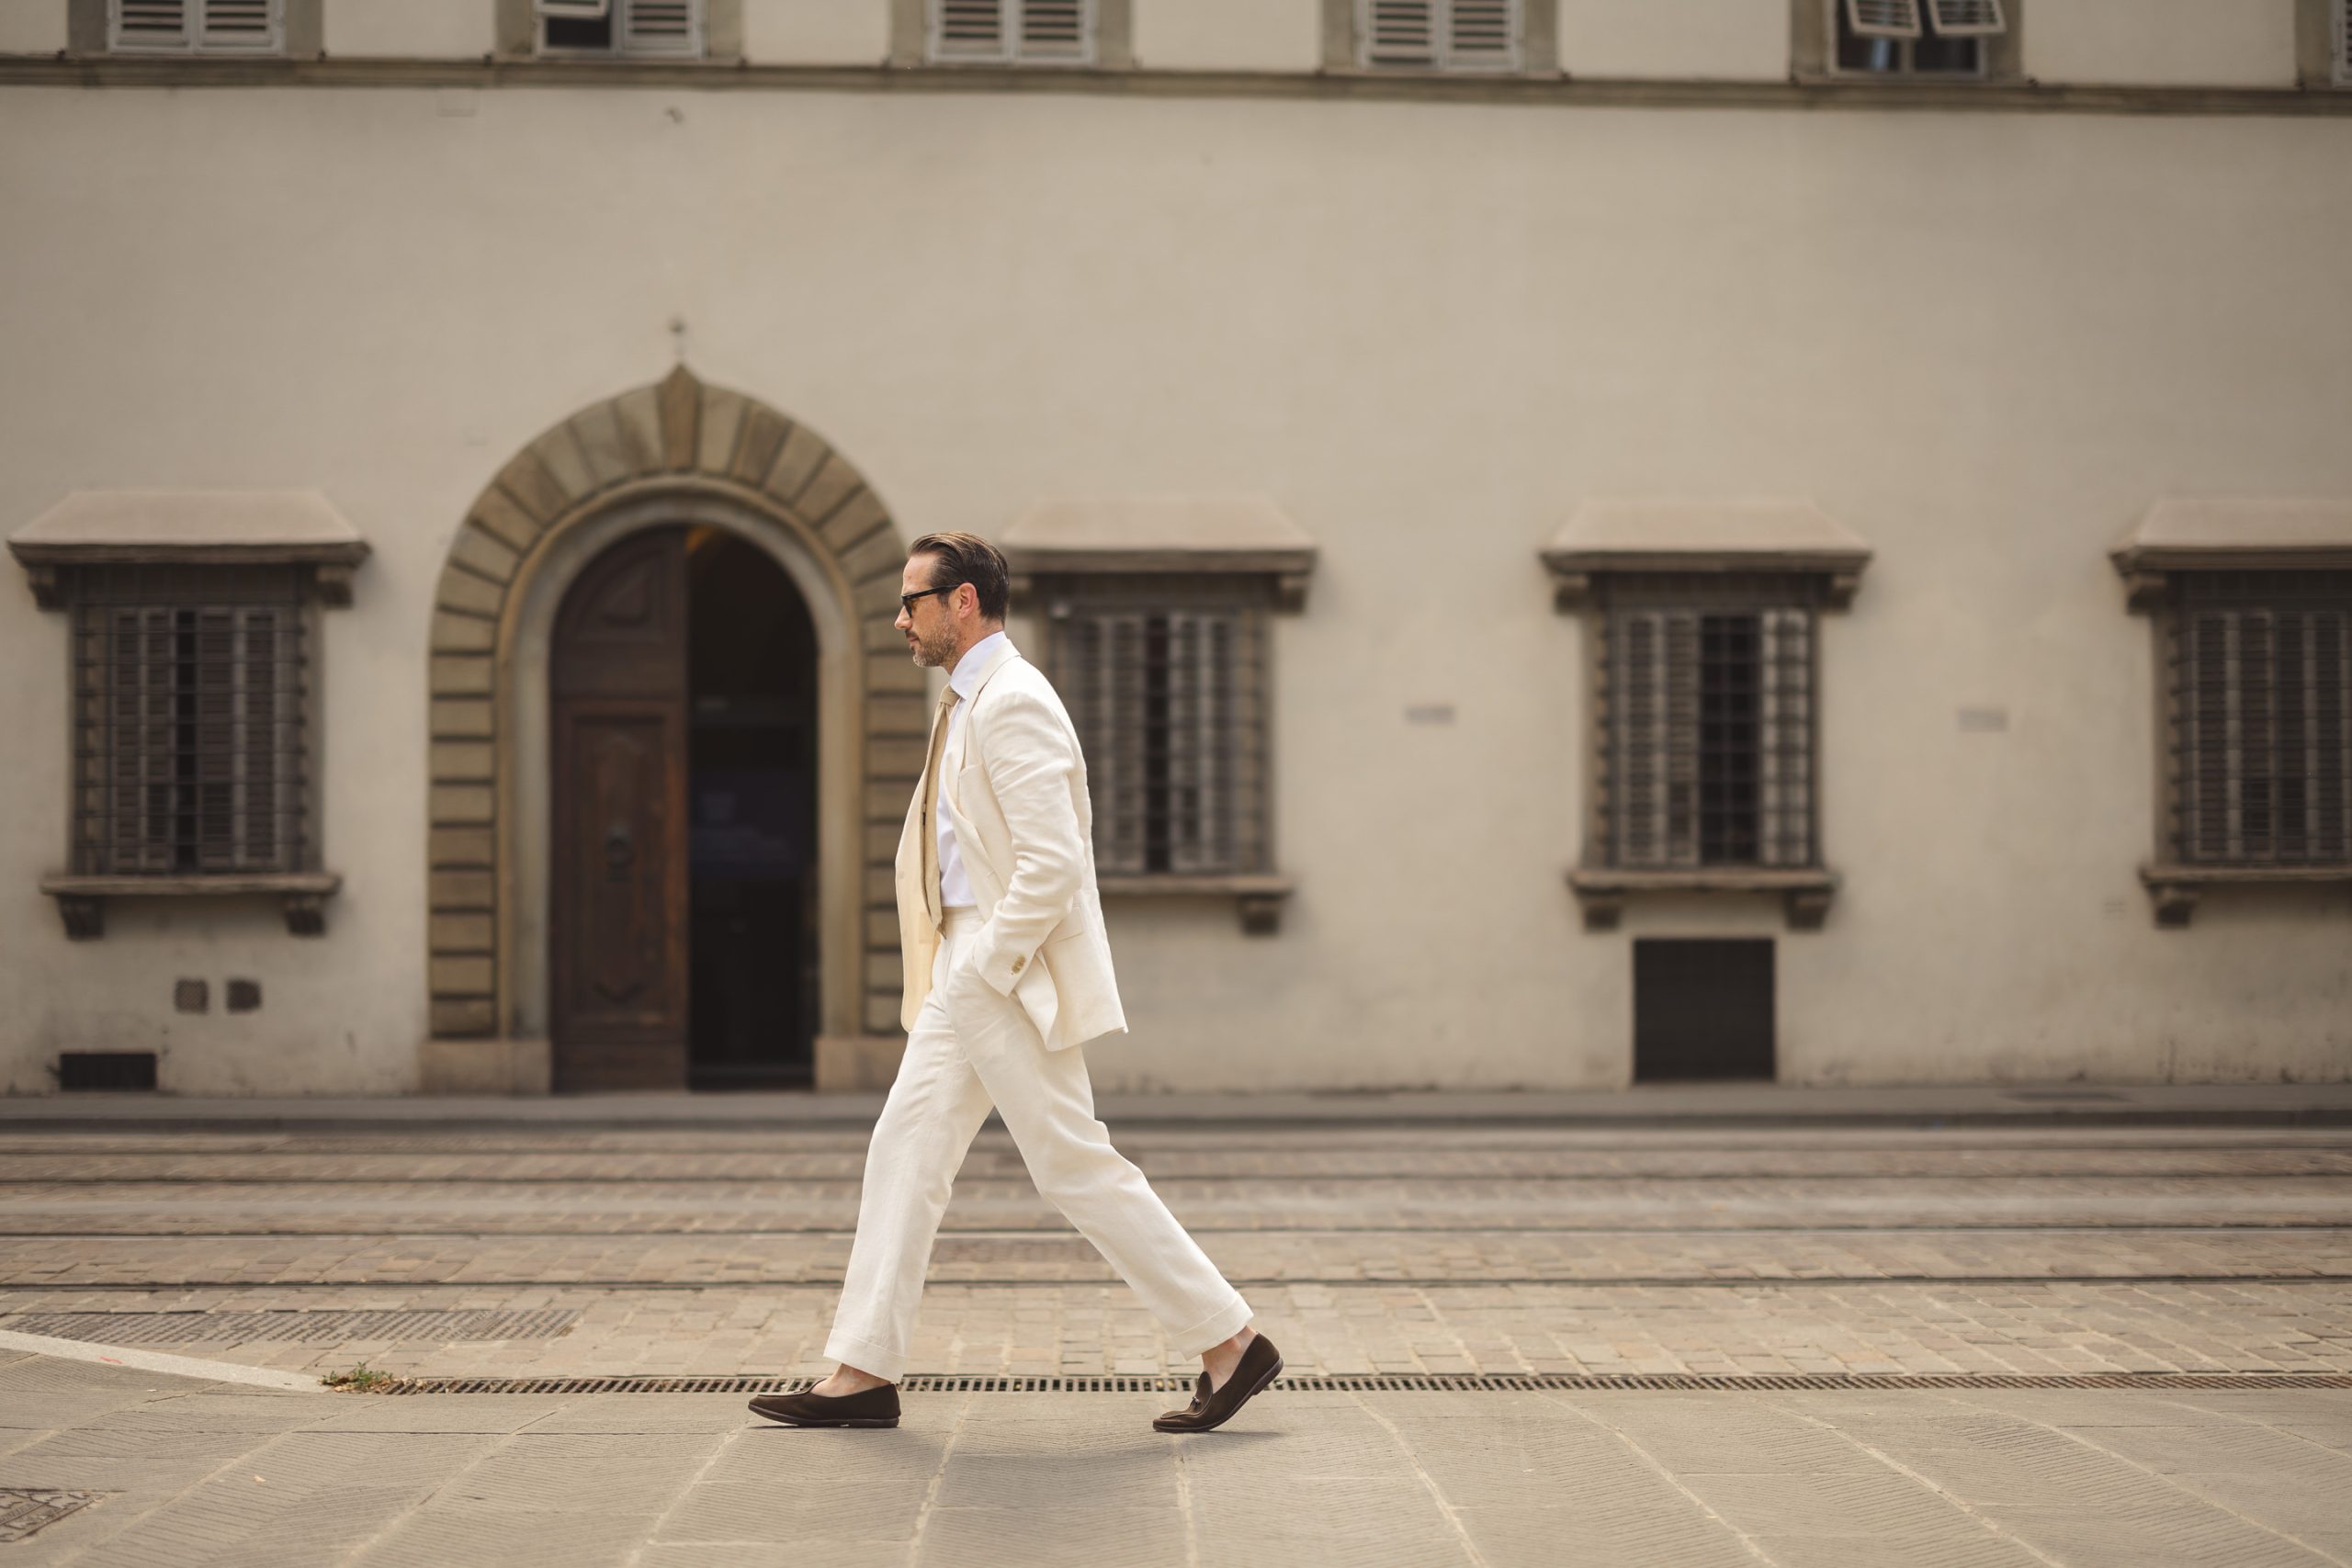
(955, 888)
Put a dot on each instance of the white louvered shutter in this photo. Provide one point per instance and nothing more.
(1654, 737)
(1967, 19)
(574, 10)
(968, 30)
(1784, 826)
(240, 25)
(1400, 32)
(1056, 30)
(659, 26)
(1883, 19)
(1482, 32)
(150, 24)
(1200, 660)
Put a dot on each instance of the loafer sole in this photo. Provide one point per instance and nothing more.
(1161, 1424)
(782, 1419)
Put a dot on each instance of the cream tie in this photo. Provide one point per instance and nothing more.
(947, 699)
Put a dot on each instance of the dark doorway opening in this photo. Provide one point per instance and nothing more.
(1702, 1009)
(752, 773)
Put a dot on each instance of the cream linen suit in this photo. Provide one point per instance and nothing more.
(998, 997)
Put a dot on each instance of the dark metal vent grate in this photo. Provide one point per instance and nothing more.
(24, 1509)
(1400, 1382)
(87, 1072)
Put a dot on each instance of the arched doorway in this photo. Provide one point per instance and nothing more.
(682, 707)
(699, 462)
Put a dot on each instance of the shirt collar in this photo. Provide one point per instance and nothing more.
(967, 678)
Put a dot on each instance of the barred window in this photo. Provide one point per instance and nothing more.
(1165, 680)
(196, 26)
(1708, 743)
(2260, 687)
(631, 27)
(1027, 31)
(190, 691)
(1443, 34)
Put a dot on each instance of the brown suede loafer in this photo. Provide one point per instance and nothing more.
(866, 1407)
(1261, 1365)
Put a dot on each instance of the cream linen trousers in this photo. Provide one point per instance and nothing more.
(969, 1048)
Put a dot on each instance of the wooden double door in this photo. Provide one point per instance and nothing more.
(628, 727)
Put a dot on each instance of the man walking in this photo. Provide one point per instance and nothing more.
(1008, 973)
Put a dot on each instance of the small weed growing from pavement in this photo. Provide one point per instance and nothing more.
(361, 1379)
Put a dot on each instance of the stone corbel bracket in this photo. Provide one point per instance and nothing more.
(2173, 890)
(1602, 891)
(81, 900)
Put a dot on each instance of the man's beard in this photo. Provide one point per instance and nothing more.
(937, 651)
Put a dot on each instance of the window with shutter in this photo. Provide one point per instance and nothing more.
(1166, 698)
(1707, 759)
(2261, 689)
(1914, 38)
(1441, 34)
(205, 26)
(189, 724)
(1025, 31)
(2344, 42)
(627, 27)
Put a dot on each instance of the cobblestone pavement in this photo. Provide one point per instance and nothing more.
(162, 1470)
(1732, 1252)
(1364, 1248)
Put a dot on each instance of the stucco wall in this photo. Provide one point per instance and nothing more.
(1984, 341)
(2204, 43)
(1229, 35)
(33, 27)
(817, 32)
(427, 28)
(1746, 39)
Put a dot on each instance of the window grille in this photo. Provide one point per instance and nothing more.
(1447, 34)
(185, 27)
(1707, 754)
(190, 690)
(2344, 42)
(633, 28)
(1167, 692)
(2261, 690)
(1018, 30)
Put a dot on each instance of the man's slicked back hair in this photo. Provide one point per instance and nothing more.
(968, 558)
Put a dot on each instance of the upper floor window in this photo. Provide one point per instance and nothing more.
(196, 26)
(1919, 38)
(1446, 35)
(621, 27)
(2343, 31)
(1022, 31)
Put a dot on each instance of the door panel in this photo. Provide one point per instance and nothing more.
(620, 1005)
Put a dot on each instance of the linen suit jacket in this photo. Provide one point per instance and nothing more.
(1014, 788)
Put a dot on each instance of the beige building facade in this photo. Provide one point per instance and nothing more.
(1592, 541)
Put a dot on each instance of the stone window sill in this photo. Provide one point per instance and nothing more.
(1259, 897)
(81, 900)
(2174, 889)
(1602, 890)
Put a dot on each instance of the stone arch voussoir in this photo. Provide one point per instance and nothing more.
(683, 434)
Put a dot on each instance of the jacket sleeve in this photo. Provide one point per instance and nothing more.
(1032, 761)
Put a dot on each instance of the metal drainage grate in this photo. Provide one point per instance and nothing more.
(1397, 1383)
(298, 1328)
(24, 1510)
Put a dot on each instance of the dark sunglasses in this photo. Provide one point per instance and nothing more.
(907, 600)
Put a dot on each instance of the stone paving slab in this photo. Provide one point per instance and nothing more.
(1722, 1329)
(1497, 1479)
